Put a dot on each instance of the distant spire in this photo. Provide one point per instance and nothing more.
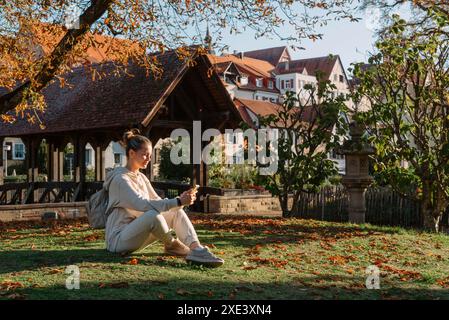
(208, 41)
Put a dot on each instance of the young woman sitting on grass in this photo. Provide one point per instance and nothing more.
(140, 217)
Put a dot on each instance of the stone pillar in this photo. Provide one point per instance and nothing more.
(1, 161)
(357, 178)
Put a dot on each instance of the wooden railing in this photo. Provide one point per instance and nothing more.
(40, 192)
(53, 192)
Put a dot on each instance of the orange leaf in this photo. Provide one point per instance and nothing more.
(55, 271)
(133, 262)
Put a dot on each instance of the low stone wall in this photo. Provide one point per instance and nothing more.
(245, 204)
(26, 212)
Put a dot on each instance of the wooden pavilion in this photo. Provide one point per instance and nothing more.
(98, 112)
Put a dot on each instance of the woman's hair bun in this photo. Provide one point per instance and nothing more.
(128, 135)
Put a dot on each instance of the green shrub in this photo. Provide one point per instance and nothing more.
(15, 179)
(20, 168)
(90, 174)
(170, 171)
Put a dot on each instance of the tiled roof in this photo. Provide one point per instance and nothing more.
(245, 66)
(265, 108)
(259, 107)
(243, 111)
(272, 55)
(222, 66)
(112, 101)
(258, 68)
(312, 65)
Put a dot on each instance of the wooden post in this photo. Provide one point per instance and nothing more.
(60, 156)
(1, 161)
(80, 159)
(100, 159)
(31, 159)
(55, 160)
(80, 165)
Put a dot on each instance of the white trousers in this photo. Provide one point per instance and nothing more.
(152, 226)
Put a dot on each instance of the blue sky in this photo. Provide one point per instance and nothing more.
(351, 40)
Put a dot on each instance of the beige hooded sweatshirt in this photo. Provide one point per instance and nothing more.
(130, 194)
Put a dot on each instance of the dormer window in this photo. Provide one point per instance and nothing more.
(243, 81)
(270, 84)
(259, 82)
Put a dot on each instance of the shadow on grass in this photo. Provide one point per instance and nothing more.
(25, 260)
(314, 287)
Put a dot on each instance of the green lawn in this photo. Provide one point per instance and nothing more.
(266, 258)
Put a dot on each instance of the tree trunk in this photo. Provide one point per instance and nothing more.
(294, 210)
(431, 219)
(283, 201)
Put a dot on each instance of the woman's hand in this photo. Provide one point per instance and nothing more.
(188, 197)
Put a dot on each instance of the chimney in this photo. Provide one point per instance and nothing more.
(236, 52)
(242, 54)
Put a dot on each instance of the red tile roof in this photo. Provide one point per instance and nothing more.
(272, 55)
(247, 66)
(259, 107)
(265, 108)
(312, 65)
(258, 68)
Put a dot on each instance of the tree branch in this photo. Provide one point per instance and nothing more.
(50, 67)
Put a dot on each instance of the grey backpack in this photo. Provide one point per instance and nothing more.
(96, 209)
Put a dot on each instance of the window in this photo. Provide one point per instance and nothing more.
(257, 97)
(264, 98)
(88, 156)
(270, 84)
(117, 158)
(18, 151)
(289, 84)
(244, 81)
(259, 82)
(334, 155)
(342, 79)
(273, 100)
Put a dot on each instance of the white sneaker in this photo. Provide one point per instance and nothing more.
(204, 257)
